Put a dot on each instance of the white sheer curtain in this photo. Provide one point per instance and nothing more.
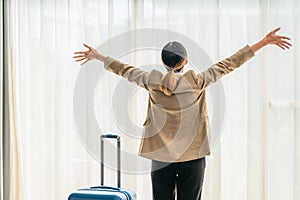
(258, 156)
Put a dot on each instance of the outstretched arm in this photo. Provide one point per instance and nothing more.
(218, 70)
(272, 38)
(131, 73)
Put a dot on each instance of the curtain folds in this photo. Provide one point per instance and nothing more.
(258, 154)
(13, 180)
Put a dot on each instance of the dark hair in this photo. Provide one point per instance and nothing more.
(173, 54)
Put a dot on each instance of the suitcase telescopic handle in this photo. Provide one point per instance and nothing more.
(110, 136)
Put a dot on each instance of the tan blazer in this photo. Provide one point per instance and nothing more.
(176, 128)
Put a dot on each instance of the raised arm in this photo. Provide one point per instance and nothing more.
(132, 74)
(221, 68)
(216, 71)
(271, 38)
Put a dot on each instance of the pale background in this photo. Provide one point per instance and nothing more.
(258, 156)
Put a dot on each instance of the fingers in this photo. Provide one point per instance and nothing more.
(84, 52)
(284, 42)
(281, 40)
(80, 56)
(84, 62)
(284, 45)
(80, 59)
(287, 43)
(83, 55)
(87, 46)
(275, 30)
(284, 37)
(81, 52)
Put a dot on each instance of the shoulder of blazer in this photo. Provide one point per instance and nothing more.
(154, 78)
(193, 75)
(156, 74)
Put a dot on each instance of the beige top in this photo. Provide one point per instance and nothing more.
(176, 128)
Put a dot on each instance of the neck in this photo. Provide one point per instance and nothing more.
(177, 70)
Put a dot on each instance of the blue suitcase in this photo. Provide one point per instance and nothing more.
(104, 192)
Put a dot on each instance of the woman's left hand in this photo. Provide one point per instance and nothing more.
(279, 40)
(272, 38)
(88, 55)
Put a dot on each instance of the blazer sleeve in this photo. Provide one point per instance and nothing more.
(127, 71)
(218, 70)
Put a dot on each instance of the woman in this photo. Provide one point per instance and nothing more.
(176, 128)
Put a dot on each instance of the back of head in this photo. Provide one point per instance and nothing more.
(173, 54)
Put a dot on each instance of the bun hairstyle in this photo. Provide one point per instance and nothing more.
(173, 54)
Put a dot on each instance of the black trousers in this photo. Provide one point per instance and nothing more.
(183, 179)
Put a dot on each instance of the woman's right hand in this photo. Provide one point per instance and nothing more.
(88, 55)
